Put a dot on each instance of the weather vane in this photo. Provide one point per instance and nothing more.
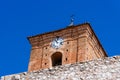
(72, 20)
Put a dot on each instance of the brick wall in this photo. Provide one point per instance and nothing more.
(80, 44)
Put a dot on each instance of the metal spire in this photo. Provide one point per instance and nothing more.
(72, 21)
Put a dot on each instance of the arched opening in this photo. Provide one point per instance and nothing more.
(56, 59)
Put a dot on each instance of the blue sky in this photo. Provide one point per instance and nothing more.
(22, 18)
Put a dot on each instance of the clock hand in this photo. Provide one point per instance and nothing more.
(61, 43)
(56, 41)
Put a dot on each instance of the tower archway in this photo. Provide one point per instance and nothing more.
(56, 59)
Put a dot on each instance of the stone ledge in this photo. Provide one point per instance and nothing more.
(101, 69)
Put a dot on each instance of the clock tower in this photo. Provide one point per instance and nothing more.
(76, 43)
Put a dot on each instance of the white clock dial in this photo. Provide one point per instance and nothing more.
(57, 42)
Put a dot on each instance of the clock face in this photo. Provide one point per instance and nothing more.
(57, 42)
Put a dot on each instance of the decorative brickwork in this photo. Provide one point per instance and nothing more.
(80, 44)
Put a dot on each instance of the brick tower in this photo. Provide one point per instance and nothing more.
(65, 46)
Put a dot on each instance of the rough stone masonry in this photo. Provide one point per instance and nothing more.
(101, 69)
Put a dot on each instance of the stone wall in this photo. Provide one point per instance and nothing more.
(100, 69)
